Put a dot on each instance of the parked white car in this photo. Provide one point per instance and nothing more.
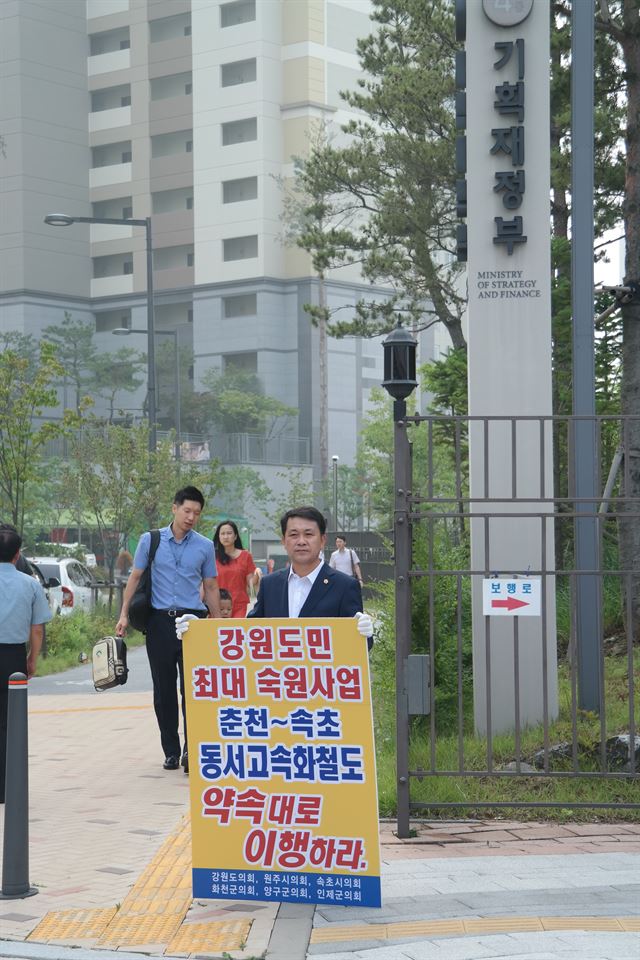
(78, 583)
(50, 585)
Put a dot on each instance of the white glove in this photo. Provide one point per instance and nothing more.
(365, 624)
(182, 624)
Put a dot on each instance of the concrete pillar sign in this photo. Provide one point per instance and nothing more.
(509, 350)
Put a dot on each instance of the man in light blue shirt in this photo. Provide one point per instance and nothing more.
(23, 611)
(183, 565)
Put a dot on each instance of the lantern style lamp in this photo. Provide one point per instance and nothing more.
(399, 368)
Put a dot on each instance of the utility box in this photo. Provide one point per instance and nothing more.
(419, 684)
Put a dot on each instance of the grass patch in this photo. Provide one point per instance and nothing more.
(436, 787)
(69, 637)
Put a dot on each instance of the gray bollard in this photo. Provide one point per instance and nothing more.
(15, 852)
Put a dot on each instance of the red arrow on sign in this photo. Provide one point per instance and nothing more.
(510, 603)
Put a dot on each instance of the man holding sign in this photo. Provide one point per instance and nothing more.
(310, 587)
(283, 796)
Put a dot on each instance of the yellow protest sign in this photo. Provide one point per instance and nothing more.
(284, 801)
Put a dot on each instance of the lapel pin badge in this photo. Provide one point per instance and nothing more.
(325, 580)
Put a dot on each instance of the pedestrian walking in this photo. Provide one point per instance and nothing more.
(23, 612)
(345, 559)
(183, 568)
(237, 572)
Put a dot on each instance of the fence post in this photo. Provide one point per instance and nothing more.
(15, 853)
(402, 552)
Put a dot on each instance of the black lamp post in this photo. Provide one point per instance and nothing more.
(399, 368)
(399, 381)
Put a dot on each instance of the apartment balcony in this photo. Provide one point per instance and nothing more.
(112, 286)
(108, 62)
(176, 222)
(112, 173)
(110, 119)
(168, 166)
(253, 448)
(178, 106)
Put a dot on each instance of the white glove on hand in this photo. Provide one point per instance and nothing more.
(182, 624)
(365, 624)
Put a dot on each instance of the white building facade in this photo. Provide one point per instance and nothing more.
(188, 111)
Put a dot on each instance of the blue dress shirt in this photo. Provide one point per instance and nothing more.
(22, 604)
(178, 569)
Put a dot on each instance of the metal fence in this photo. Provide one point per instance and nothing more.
(458, 670)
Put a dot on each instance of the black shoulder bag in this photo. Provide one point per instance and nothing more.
(140, 605)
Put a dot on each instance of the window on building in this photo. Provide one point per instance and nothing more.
(162, 88)
(247, 362)
(234, 191)
(114, 209)
(170, 28)
(240, 248)
(190, 259)
(110, 98)
(239, 131)
(170, 144)
(189, 146)
(112, 266)
(171, 201)
(108, 41)
(242, 305)
(190, 315)
(240, 11)
(189, 203)
(240, 71)
(112, 320)
(111, 153)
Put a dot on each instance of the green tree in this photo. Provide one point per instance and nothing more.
(391, 184)
(26, 392)
(122, 489)
(238, 403)
(76, 352)
(114, 373)
(620, 23)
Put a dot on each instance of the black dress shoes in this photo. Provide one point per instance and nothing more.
(171, 763)
(185, 761)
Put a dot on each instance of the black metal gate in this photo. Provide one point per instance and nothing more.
(449, 754)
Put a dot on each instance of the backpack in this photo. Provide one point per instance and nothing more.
(109, 663)
(140, 605)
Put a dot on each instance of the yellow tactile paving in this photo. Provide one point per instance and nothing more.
(503, 925)
(73, 924)
(207, 937)
(580, 923)
(152, 912)
(133, 931)
(480, 925)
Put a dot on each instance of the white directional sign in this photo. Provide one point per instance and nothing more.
(513, 597)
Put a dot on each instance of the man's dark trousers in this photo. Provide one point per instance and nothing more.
(164, 650)
(13, 659)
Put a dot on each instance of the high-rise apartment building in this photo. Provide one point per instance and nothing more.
(188, 111)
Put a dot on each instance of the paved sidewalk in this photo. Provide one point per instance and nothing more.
(110, 855)
(467, 890)
(110, 840)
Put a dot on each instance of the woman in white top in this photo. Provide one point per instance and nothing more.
(345, 559)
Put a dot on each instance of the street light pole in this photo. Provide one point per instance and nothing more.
(63, 220)
(334, 460)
